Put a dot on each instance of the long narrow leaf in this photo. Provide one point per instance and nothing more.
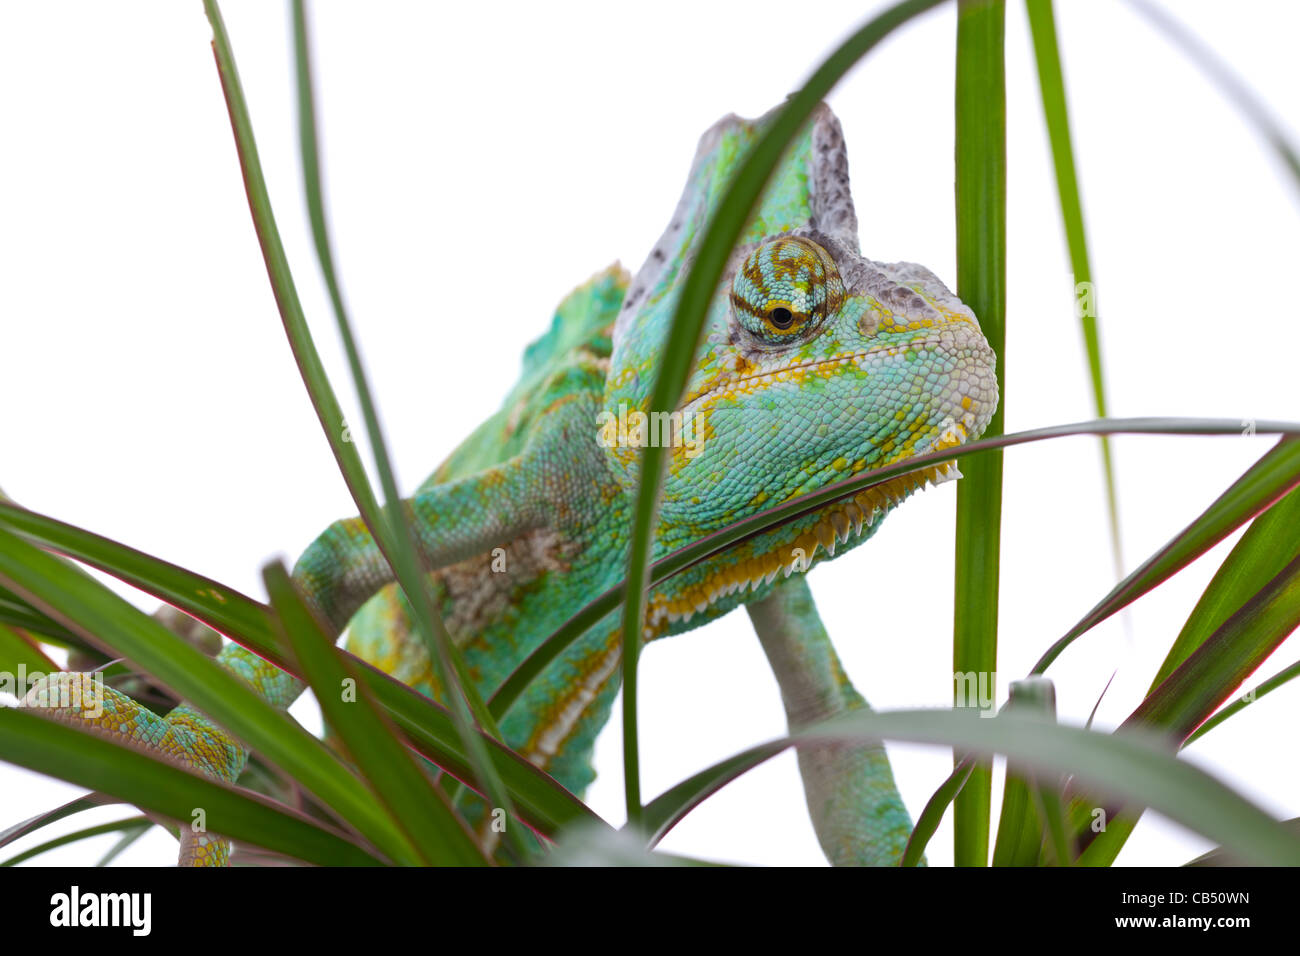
(1221, 857)
(1021, 823)
(107, 620)
(17, 613)
(1255, 693)
(1270, 543)
(1263, 485)
(931, 815)
(16, 651)
(220, 607)
(416, 807)
(137, 825)
(981, 195)
(1256, 495)
(1205, 680)
(542, 802)
(1246, 102)
(124, 843)
(1131, 765)
(547, 804)
(389, 527)
(37, 743)
(1051, 84)
(1051, 807)
(79, 805)
(671, 807)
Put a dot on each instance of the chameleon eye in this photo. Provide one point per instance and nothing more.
(784, 288)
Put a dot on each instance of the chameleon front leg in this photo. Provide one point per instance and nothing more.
(857, 813)
(344, 567)
(341, 569)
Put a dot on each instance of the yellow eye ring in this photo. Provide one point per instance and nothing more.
(782, 317)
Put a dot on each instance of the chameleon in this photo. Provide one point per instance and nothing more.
(816, 364)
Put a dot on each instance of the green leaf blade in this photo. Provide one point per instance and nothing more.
(1134, 766)
(1056, 116)
(42, 745)
(108, 621)
(415, 806)
(981, 174)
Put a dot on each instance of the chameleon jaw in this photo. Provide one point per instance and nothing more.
(837, 523)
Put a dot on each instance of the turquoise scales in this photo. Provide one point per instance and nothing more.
(817, 364)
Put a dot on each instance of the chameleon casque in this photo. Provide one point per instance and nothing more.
(817, 364)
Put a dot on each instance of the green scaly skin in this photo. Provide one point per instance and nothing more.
(817, 364)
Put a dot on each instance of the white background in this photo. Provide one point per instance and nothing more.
(480, 161)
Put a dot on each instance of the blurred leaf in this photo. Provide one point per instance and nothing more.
(80, 804)
(16, 651)
(17, 613)
(134, 825)
(1051, 84)
(1132, 765)
(928, 822)
(1021, 823)
(1252, 695)
(1221, 857)
(1247, 103)
(122, 845)
(591, 846)
(1203, 681)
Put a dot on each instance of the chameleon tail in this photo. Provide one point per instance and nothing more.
(184, 737)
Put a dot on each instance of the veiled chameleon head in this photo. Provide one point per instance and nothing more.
(817, 364)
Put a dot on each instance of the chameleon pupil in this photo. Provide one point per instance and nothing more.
(782, 318)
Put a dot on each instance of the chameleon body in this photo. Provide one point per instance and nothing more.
(817, 364)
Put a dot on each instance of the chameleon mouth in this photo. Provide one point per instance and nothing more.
(836, 524)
